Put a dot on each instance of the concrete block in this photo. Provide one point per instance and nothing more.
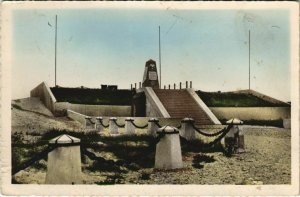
(152, 126)
(129, 127)
(287, 123)
(113, 128)
(168, 149)
(187, 131)
(64, 162)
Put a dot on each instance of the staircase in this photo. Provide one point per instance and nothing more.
(180, 104)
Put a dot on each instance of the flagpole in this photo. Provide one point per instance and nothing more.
(159, 57)
(249, 58)
(55, 46)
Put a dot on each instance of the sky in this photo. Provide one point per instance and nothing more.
(111, 46)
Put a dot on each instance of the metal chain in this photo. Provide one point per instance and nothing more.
(157, 124)
(224, 132)
(37, 157)
(207, 134)
(105, 126)
(140, 127)
(121, 126)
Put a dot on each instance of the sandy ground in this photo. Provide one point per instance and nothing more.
(29, 115)
(267, 159)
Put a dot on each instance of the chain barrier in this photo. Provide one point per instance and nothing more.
(90, 120)
(121, 126)
(218, 139)
(157, 124)
(207, 134)
(39, 156)
(101, 122)
(139, 127)
(179, 127)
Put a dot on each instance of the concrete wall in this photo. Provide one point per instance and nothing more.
(254, 113)
(44, 93)
(154, 108)
(95, 110)
(77, 116)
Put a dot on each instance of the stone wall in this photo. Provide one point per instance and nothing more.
(44, 93)
(252, 113)
(94, 110)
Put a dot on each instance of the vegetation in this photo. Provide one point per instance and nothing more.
(233, 99)
(93, 96)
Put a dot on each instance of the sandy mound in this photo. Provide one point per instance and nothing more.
(31, 116)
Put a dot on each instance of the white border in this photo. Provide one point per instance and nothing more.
(9, 189)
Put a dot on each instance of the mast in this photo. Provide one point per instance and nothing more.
(55, 46)
(159, 57)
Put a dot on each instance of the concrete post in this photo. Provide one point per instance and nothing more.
(130, 86)
(113, 128)
(169, 86)
(140, 84)
(64, 162)
(186, 85)
(241, 142)
(152, 126)
(98, 125)
(164, 86)
(174, 86)
(234, 137)
(180, 85)
(89, 125)
(135, 85)
(129, 127)
(168, 149)
(187, 131)
(191, 84)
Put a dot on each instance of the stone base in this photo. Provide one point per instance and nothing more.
(168, 153)
(64, 166)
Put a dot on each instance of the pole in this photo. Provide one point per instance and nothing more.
(55, 46)
(159, 57)
(249, 59)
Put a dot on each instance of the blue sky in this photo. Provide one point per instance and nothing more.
(111, 46)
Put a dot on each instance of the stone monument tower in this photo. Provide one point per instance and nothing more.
(150, 78)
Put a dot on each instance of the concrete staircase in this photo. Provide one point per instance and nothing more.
(181, 104)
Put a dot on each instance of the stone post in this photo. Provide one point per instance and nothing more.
(152, 126)
(169, 86)
(89, 125)
(168, 149)
(187, 131)
(129, 127)
(113, 128)
(64, 162)
(174, 86)
(98, 125)
(191, 84)
(186, 85)
(180, 85)
(234, 137)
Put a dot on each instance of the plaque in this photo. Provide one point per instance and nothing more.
(152, 75)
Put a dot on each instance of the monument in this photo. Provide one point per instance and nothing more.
(150, 78)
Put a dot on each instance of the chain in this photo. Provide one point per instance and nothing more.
(140, 127)
(157, 124)
(224, 132)
(39, 156)
(207, 134)
(121, 126)
(105, 126)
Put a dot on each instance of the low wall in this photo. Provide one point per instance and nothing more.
(44, 93)
(94, 110)
(76, 116)
(252, 113)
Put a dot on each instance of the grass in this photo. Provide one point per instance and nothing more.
(230, 99)
(93, 96)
